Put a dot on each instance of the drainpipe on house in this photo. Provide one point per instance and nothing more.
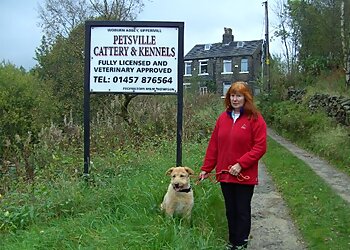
(214, 74)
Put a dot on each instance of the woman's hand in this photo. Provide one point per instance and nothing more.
(203, 175)
(235, 169)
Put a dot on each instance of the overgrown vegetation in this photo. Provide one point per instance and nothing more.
(154, 119)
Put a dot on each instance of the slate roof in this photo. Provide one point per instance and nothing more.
(222, 50)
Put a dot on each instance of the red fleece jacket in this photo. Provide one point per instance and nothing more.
(243, 141)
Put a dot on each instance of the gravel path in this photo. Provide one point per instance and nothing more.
(272, 226)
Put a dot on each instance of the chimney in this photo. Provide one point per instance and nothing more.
(227, 36)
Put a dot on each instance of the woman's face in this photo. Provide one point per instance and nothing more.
(237, 101)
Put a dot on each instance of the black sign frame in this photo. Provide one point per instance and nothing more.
(87, 91)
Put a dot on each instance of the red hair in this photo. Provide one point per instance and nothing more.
(242, 88)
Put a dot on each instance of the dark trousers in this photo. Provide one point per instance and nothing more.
(238, 211)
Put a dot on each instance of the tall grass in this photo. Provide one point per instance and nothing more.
(58, 150)
(121, 210)
(332, 83)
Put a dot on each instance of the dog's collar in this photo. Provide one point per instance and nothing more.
(186, 190)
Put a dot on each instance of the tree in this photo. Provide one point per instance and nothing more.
(345, 39)
(121, 10)
(288, 35)
(312, 28)
(61, 58)
(61, 66)
(60, 17)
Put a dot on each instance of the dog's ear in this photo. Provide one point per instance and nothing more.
(168, 172)
(189, 171)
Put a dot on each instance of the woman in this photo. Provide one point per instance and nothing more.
(235, 147)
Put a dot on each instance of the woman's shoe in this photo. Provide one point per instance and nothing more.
(229, 246)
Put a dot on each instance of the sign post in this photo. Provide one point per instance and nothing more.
(135, 58)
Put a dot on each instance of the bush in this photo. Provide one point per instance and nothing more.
(24, 104)
(24, 110)
(16, 102)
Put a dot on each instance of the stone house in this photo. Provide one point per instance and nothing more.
(214, 67)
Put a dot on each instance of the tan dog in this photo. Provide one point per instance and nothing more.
(179, 197)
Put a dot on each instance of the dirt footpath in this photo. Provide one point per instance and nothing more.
(272, 227)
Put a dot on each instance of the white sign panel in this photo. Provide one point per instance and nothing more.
(134, 59)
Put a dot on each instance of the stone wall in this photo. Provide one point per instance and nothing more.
(337, 107)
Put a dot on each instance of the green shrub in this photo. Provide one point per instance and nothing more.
(24, 104)
(16, 103)
(25, 108)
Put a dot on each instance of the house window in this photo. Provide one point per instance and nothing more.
(188, 68)
(225, 87)
(203, 67)
(244, 66)
(207, 46)
(203, 90)
(227, 67)
(240, 44)
(187, 85)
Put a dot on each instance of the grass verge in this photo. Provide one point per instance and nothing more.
(321, 215)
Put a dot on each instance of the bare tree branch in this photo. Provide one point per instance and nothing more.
(59, 17)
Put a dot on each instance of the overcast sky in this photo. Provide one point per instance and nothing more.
(204, 23)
